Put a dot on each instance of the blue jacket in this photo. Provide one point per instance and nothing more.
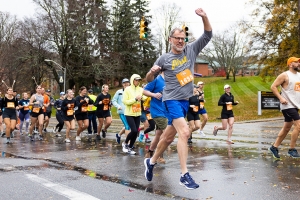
(117, 101)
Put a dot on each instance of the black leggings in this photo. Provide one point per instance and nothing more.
(134, 124)
(151, 126)
(60, 120)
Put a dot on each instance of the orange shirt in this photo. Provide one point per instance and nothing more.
(46, 101)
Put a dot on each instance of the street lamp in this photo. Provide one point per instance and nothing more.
(61, 68)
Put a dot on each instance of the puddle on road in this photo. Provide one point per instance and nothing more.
(200, 154)
(86, 172)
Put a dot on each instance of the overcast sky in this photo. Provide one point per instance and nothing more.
(222, 13)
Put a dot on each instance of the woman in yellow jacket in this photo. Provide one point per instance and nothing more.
(132, 97)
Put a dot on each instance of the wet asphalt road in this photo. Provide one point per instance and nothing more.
(88, 169)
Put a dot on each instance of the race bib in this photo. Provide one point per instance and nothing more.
(10, 104)
(202, 104)
(297, 86)
(90, 107)
(136, 108)
(195, 109)
(105, 107)
(84, 108)
(229, 106)
(184, 77)
(70, 112)
(148, 115)
(26, 107)
(36, 110)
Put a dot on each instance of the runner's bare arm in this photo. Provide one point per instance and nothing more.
(205, 20)
(279, 81)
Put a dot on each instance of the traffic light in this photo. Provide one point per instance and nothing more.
(186, 29)
(143, 29)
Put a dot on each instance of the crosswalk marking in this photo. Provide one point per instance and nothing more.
(63, 190)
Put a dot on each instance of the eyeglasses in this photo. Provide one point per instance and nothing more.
(178, 38)
(137, 79)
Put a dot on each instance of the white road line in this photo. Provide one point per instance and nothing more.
(61, 189)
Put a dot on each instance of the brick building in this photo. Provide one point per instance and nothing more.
(202, 67)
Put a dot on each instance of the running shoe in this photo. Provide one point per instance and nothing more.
(125, 148)
(58, 135)
(274, 151)
(3, 134)
(187, 181)
(190, 141)
(53, 131)
(40, 137)
(35, 131)
(147, 140)
(67, 140)
(131, 152)
(202, 134)
(215, 132)
(78, 138)
(103, 133)
(118, 138)
(149, 169)
(8, 140)
(293, 153)
(30, 137)
(45, 130)
(98, 137)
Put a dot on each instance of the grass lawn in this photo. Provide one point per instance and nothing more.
(244, 91)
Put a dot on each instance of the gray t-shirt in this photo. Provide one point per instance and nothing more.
(172, 64)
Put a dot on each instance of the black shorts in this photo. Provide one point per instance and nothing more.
(290, 114)
(9, 113)
(35, 115)
(226, 115)
(48, 114)
(67, 118)
(191, 116)
(1, 113)
(81, 116)
(103, 114)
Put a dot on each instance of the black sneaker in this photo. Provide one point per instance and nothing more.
(40, 137)
(118, 138)
(45, 130)
(103, 133)
(147, 140)
(98, 137)
(274, 151)
(3, 134)
(8, 140)
(31, 137)
(190, 141)
(293, 153)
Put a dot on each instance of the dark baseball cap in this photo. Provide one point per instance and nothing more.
(90, 91)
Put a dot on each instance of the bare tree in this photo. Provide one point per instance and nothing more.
(8, 31)
(167, 16)
(227, 51)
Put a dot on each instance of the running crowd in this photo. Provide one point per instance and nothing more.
(169, 104)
